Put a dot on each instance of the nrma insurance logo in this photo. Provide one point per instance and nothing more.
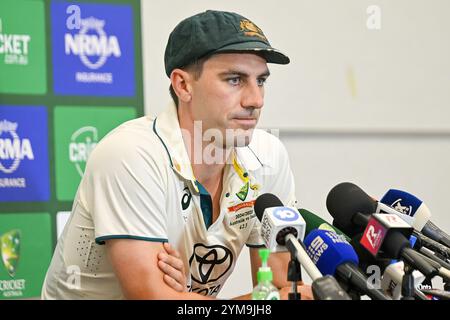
(82, 142)
(23, 154)
(93, 49)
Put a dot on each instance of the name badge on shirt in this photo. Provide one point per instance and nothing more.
(241, 214)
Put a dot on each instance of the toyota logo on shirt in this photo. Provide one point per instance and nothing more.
(209, 263)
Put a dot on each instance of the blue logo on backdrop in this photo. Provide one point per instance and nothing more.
(93, 49)
(286, 214)
(24, 173)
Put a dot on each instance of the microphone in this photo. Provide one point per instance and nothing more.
(315, 222)
(277, 222)
(360, 203)
(280, 229)
(334, 256)
(392, 233)
(437, 294)
(441, 268)
(416, 210)
(327, 288)
(380, 232)
(366, 259)
(439, 249)
(391, 282)
(347, 203)
(350, 207)
(428, 253)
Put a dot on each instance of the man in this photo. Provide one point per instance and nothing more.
(188, 177)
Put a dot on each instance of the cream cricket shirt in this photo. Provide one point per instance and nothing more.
(139, 184)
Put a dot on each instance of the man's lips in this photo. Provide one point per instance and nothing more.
(250, 119)
(246, 121)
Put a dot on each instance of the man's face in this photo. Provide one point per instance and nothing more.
(229, 96)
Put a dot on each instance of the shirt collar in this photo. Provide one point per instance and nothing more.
(167, 128)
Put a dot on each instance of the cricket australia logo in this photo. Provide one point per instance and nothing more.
(10, 249)
(12, 149)
(242, 194)
(82, 142)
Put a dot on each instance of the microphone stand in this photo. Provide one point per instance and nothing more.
(294, 273)
(408, 283)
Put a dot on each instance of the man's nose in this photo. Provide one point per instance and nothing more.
(253, 96)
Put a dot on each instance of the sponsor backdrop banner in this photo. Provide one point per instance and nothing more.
(22, 47)
(26, 245)
(70, 72)
(77, 132)
(24, 168)
(92, 49)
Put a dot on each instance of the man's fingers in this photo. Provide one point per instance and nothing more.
(173, 268)
(173, 284)
(170, 250)
(173, 261)
(171, 271)
(306, 292)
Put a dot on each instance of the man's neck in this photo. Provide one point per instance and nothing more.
(209, 172)
(207, 165)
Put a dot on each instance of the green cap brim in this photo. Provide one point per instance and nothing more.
(271, 55)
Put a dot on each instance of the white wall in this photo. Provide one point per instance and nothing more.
(371, 107)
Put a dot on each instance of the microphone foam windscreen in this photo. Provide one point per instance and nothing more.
(328, 250)
(402, 201)
(344, 201)
(264, 201)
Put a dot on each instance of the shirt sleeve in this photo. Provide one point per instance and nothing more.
(124, 188)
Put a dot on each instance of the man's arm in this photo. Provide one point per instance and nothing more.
(278, 262)
(135, 264)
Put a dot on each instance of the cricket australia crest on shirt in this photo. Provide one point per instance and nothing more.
(241, 212)
(242, 194)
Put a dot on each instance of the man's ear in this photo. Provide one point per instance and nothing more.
(180, 80)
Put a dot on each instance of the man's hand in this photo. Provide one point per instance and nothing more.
(169, 262)
(304, 290)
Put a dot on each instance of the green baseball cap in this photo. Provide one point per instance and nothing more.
(212, 32)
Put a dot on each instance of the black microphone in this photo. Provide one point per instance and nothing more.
(350, 207)
(423, 241)
(366, 259)
(384, 234)
(361, 203)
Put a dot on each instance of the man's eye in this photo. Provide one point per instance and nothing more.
(234, 81)
(261, 81)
